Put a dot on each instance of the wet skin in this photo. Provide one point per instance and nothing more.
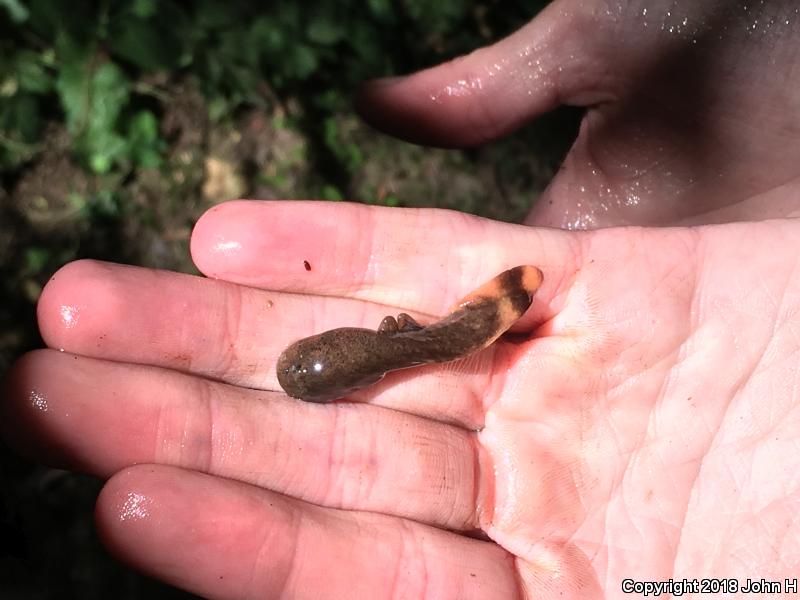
(331, 365)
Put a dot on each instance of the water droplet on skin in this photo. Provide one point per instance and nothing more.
(227, 246)
(38, 401)
(494, 69)
(462, 87)
(69, 316)
(135, 507)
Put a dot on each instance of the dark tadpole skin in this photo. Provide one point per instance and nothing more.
(333, 364)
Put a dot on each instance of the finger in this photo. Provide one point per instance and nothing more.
(235, 334)
(98, 417)
(423, 260)
(558, 58)
(237, 541)
(182, 322)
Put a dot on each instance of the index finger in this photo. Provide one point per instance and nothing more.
(419, 259)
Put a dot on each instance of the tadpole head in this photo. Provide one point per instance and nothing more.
(302, 372)
(329, 366)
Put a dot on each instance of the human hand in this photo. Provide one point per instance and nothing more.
(693, 108)
(645, 427)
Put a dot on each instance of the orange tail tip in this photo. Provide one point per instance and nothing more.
(526, 277)
(532, 278)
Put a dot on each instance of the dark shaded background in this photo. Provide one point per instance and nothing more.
(122, 122)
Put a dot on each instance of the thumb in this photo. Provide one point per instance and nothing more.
(555, 59)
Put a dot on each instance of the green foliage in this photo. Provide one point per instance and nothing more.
(36, 259)
(87, 57)
(331, 192)
(347, 152)
(144, 144)
(16, 10)
(93, 99)
(440, 16)
(33, 73)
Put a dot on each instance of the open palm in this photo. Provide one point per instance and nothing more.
(639, 423)
(625, 437)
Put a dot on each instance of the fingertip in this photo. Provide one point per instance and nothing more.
(290, 244)
(48, 407)
(128, 512)
(467, 101)
(560, 57)
(126, 499)
(194, 531)
(74, 302)
(22, 403)
(248, 241)
(221, 235)
(404, 107)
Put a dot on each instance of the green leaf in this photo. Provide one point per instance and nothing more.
(143, 127)
(218, 107)
(325, 31)
(28, 117)
(109, 93)
(104, 203)
(77, 201)
(345, 151)
(36, 259)
(33, 77)
(144, 8)
(266, 35)
(77, 19)
(437, 17)
(381, 10)
(72, 83)
(212, 14)
(145, 145)
(20, 117)
(372, 54)
(331, 192)
(103, 149)
(235, 49)
(145, 43)
(16, 10)
(300, 62)
(100, 163)
(391, 200)
(20, 124)
(93, 102)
